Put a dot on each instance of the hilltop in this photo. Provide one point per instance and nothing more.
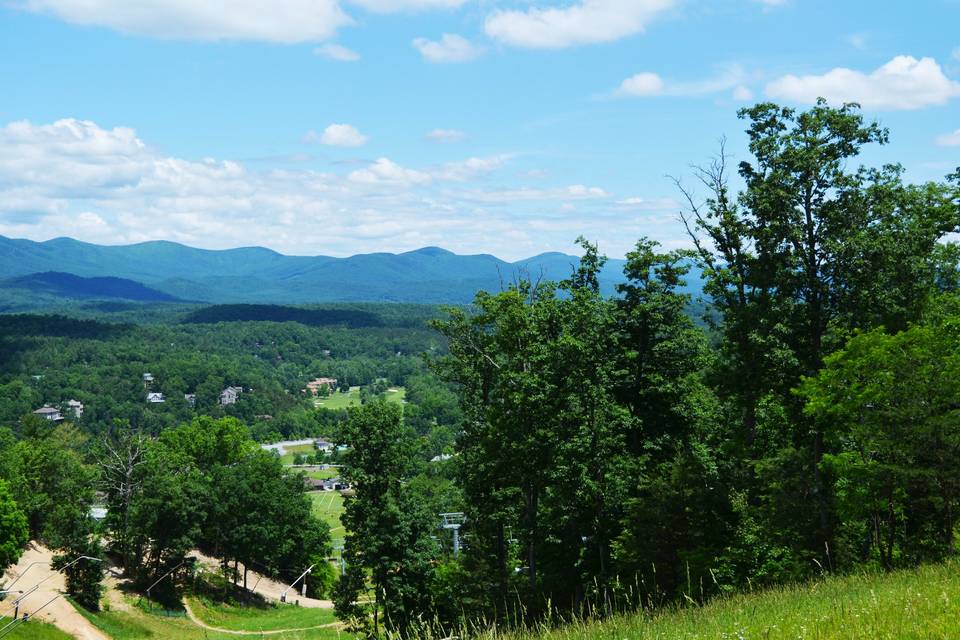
(255, 274)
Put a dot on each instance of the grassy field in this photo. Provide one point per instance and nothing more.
(136, 623)
(34, 630)
(339, 400)
(265, 618)
(352, 399)
(328, 506)
(922, 604)
(290, 452)
(323, 474)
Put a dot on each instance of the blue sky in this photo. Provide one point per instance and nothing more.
(346, 126)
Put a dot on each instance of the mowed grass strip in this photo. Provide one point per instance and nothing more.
(268, 617)
(135, 623)
(328, 506)
(922, 604)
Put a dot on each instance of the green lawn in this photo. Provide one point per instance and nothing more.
(909, 605)
(339, 400)
(396, 394)
(290, 452)
(323, 474)
(263, 618)
(34, 630)
(328, 506)
(352, 399)
(137, 623)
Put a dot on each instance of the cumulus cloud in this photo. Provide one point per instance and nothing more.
(648, 83)
(903, 83)
(386, 171)
(337, 52)
(450, 48)
(338, 135)
(949, 139)
(445, 135)
(585, 22)
(107, 185)
(285, 21)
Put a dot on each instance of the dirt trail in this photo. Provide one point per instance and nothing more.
(200, 623)
(59, 612)
(266, 587)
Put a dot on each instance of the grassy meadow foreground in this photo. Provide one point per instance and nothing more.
(922, 603)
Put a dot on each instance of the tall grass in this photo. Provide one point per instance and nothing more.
(916, 604)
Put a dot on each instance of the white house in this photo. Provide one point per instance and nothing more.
(49, 413)
(230, 395)
(156, 398)
(76, 406)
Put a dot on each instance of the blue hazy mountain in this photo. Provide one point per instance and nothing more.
(259, 275)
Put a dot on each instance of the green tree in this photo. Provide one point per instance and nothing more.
(14, 532)
(388, 529)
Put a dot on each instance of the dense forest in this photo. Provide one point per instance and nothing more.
(597, 452)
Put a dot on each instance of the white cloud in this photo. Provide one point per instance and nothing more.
(742, 93)
(386, 171)
(450, 48)
(390, 6)
(446, 135)
(645, 204)
(902, 83)
(337, 52)
(949, 139)
(588, 21)
(106, 185)
(338, 135)
(286, 21)
(648, 83)
(470, 168)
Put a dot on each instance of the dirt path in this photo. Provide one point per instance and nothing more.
(266, 587)
(58, 612)
(200, 623)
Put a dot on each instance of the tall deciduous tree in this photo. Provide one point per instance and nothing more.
(388, 530)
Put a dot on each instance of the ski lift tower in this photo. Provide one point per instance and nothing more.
(453, 522)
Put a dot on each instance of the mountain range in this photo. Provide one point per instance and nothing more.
(160, 270)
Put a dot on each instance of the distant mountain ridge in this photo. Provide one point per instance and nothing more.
(260, 275)
(68, 285)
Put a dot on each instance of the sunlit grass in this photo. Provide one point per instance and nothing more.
(920, 604)
(266, 617)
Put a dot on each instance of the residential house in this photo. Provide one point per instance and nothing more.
(156, 398)
(76, 407)
(314, 386)
(190, 399)
(230, 395)
(49, 413)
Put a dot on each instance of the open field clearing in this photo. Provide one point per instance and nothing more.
(328, 506)
(259, 618)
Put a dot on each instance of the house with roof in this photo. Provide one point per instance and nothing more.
(49, 413)
(156, 398)
(190, 399)
(314, 386)
(230, 395)
(75, 406)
